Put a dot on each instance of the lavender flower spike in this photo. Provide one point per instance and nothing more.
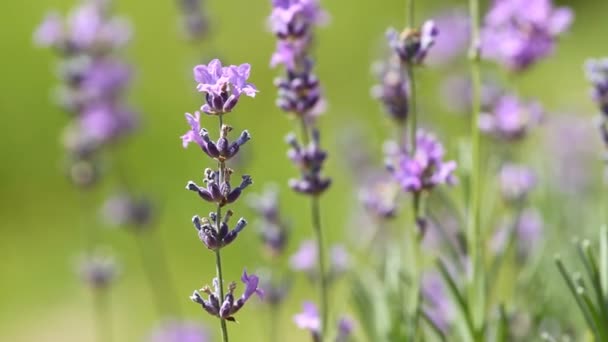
(309, 319)
(597, 73)
(413, 45)
(222, 86)
(519, 33)
(392, 90)
(425, 169)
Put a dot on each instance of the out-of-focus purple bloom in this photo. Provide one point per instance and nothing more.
(98, 270)
(222, 86)
(456, 93)
(597, 74)
(309, 159)
(230, 305)
(379, 198)
(50, 31)
(425, 169)
(105, 80)
(392, 90)
(275, 291)
(511, 118)
(305, 258)
(339, 259)
(456, 24)
(177, 331)
(194, 20)
(106, 123)
(413, 45)
(128, 211)
(438, 305)
(528, 233)
(308, 319)
(292, 19)
(516, 182)
(518, 33)
(273, 229)
(345, 329)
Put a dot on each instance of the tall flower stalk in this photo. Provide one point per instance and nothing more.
(300, 95)
(222, 87)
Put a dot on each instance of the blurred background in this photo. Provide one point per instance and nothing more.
(41, 213)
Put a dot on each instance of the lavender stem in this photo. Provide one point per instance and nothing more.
(218, 257)
(477, 283)
(103, 317)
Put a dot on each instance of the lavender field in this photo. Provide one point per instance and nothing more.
(304, 170)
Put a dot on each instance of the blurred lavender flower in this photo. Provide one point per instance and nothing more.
(455, 93)
(456, 23)
(229, 306)
(518, 33)
(305, 260)
(412, 45)
(128, 211)
(425, 169)
(437, 302)
(275, 291)
(511, 118)
(177, 331)
(345, 329)
(392, 90)
(597, 74)
(309, 159)
(98, 269)
(516, 182)
(379, 198)
(194, 20)
(291, 21)
(309, 320)
(528, 233)
(222, 86)
(274, 230)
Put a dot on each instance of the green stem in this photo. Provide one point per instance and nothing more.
(316, 222)
(218, 257)
(416, 240)
(474, 238)
(413, 110)
(103, 317)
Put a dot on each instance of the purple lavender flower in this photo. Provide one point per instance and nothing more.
(275, 291)
(511, 118)
(449, 46)
(425, 169)
(345, 329)
(215, 237)
(309, 159)
(518, 33)
(107, 123)
(294, 18)
(437, 302)
(177, 331)
(222, 86)
(412, 45)
(379, 198)
(339, 259)
(528, 233)
(230, 305)
(98, 270)
(455, 93)
(273, 229)
(392, 90)
(128, 211)
(305, 258)
(516, 182)
(309, 319)
(194, 20)
(597, 74)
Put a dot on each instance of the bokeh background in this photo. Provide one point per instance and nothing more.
(41, 213)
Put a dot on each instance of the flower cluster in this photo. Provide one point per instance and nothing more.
(125, 210)
(597, 74)
(292, 23)
(454, 44)
(309, 159)
(93, 81)
(510, 118)
(518, 33)
(516, 182)
(176, 331)
(527, 232)
(309, 320)
(392, 90)
(194, 21)
(412, 45)
(306, 257)
(222, 88)
(229, 305)
(424, 169)
(274, 230)
(98, 269)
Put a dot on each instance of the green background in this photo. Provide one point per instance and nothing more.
(41, 214)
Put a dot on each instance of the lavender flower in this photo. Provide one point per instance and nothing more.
(309, 320)
(305, 260)
(510, 118)
(437, 302)
(456, 93)
(217, 190)
(128, 211)
(379, 198)
(449, 46)
(425, 169)
(345, 329)
(274, 230)
(230, 305)
(597, 74)
(194, 21)
(516, 182)
(528, 233)
(309, 159)
(294, 18)
(98, 270)
(518, 33)
(275, 291)
(412, 45)
(177, 331)
(222, 86)
(215, 237)
(222, 150)
(392, 90)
